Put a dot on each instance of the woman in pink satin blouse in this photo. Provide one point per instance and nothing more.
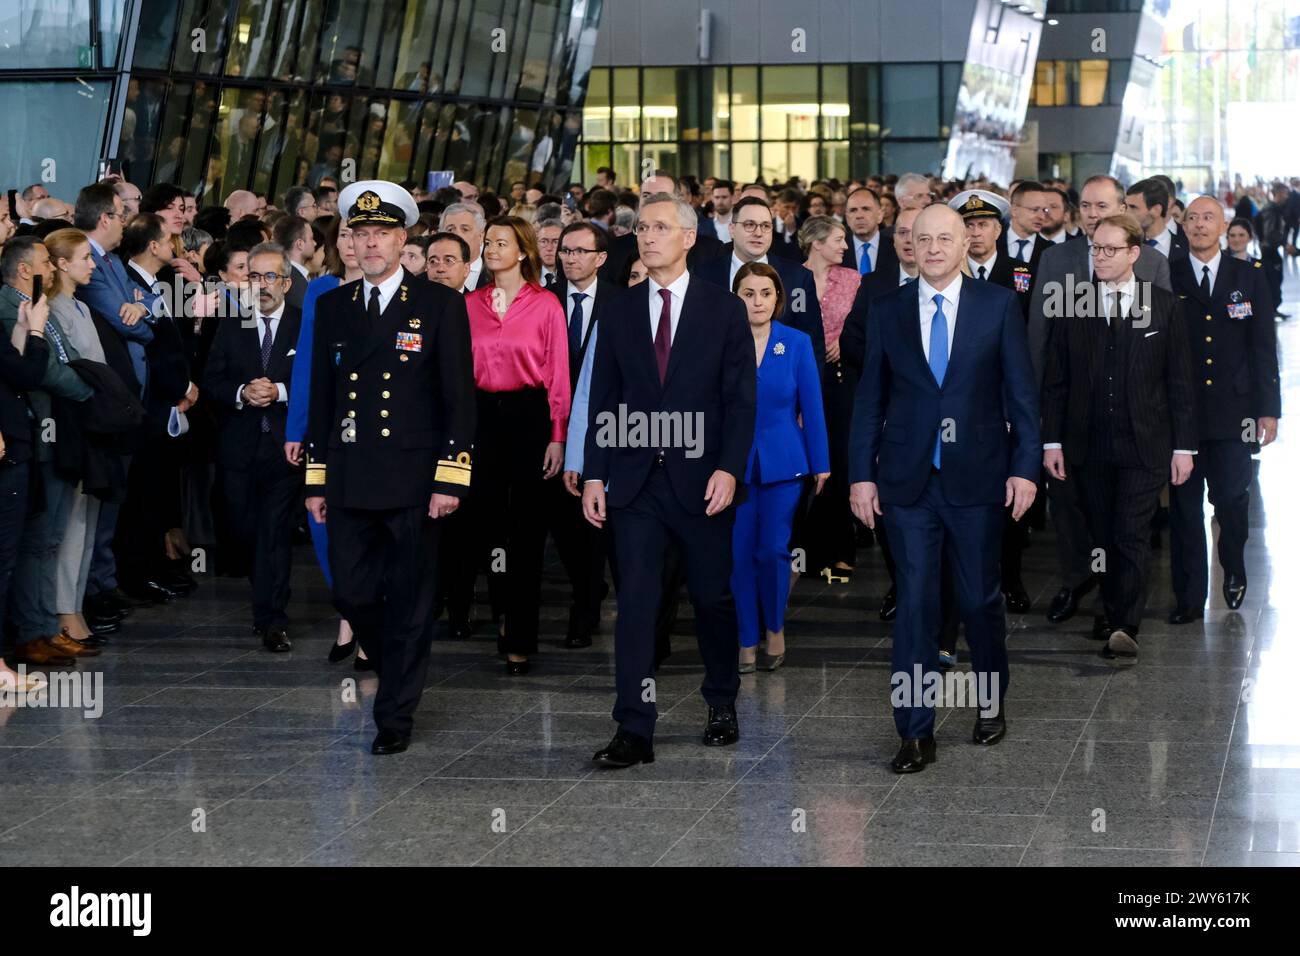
(521, 370)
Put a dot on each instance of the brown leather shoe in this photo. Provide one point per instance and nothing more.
(69, 646)
(41, 653)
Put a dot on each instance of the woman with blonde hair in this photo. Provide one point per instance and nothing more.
(73, 543)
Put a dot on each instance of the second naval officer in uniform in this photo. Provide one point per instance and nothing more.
(389, 444)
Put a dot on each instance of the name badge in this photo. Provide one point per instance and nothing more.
(1022, 278)
(410, 342)
(1240, 310)
(338, 352)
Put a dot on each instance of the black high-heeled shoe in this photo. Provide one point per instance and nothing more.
(363, 664)
(341, 652)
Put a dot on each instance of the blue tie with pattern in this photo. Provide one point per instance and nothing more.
(938, 358)
(575, 324)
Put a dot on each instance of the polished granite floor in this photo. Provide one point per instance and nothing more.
(213, 752)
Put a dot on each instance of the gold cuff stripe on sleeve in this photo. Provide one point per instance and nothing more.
(315, 474)
(452, 474)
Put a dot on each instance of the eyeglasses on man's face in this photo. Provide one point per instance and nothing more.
(1107, 252)
(265, 278)
(756, 226)
(566, 251)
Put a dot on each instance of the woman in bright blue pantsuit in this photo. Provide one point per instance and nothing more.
(343, 267)
(789, 444)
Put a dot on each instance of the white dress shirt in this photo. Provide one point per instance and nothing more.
(951, 298)
(471, 280)
(1013, 243)
(302, 270)
(975, 267)
(588, 306)
(737, 263)
(903, 277)
(678, 289)
(1212, 265)
(1057, 237)
(387, 289)
(872, 246)
(1164, 242)
(260, 319)
(722, 226)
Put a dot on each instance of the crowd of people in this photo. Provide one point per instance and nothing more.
(447, 380)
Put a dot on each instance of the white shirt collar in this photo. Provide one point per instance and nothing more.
(1171, 227)
(950, 295)
(677, 287)
(737, 264)
(988, 266)
(873, 242)
(903, 277)
(387, 288)
(475, 270)
(301, 268)
(1126, 291)
(148, 276)
(589, 291)
(272, 317)
(1013, 237)
(1213, 264)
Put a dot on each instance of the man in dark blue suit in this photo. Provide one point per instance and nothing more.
(751, 227)
(947, 370)
(670, 349)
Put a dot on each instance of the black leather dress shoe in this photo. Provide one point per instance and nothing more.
(1234, 591)
(989, 730)
(1186, 615)
(95, 640)
(518, 668)
(103, 613)
(178, 581)
(118, 599)
(103, 627)
(1017, 598)
(913, 755)
(363, 664)
(341, 652)
(149, 592)
(625, 750)
(889, 606)
(276, 640)
(1101, 629)
(723, 728)
(390, 742)
(1066, 603)
(577, 635)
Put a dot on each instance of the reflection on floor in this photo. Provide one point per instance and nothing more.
(211, 751)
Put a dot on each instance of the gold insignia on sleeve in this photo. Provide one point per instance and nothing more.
(454, 471)
(315, 474)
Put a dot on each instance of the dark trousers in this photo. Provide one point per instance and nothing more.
(263, 501)
(1073, 543)
(643, 531)
(14, 484)
(1225, 468)
(582, 548)
(1015, 535)
(828, 533)
(922, 536)
(151, 509)
(1119, 497)
(385, 578)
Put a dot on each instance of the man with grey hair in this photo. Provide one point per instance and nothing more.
(466, 220)
(912, 191)
(249, 372)
(548, 241)
(700, 367)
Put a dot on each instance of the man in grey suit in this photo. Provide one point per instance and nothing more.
(1063, 268)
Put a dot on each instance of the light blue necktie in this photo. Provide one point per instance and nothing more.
(938, 357)
(864, 266)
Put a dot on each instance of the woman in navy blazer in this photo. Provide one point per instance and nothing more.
(789, 444)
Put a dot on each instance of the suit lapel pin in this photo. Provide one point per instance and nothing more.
(779, 348)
